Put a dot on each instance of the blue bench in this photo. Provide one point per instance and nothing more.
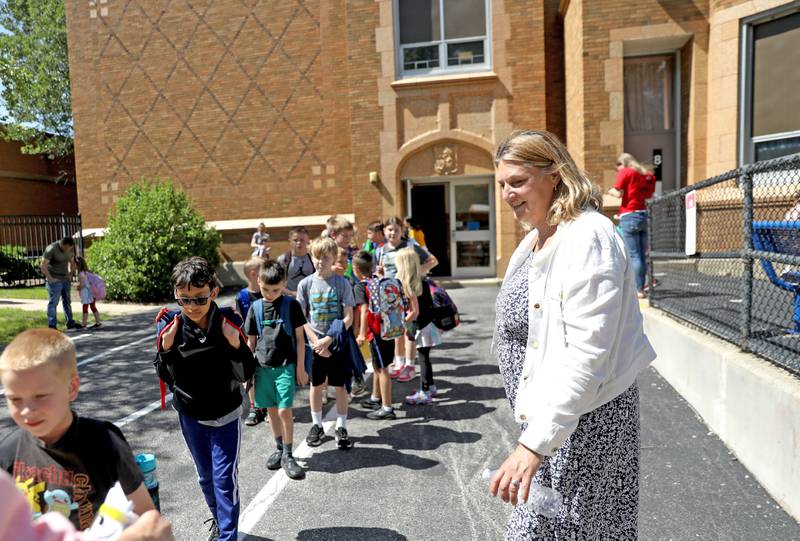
(780, 238)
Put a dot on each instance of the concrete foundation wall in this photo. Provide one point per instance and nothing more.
(750, 403)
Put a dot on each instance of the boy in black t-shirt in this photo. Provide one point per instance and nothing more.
(274, 327)
(61, 462)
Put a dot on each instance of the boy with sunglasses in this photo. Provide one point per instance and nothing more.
(203, 357)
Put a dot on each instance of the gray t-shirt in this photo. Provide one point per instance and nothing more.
(58, 261)
(389, 253)
(323, 300)
(298, 268)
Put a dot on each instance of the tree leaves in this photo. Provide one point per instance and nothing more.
(34, 70)
(153, 227)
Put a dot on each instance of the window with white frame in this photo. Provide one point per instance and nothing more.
(442, 36)
(770, 121)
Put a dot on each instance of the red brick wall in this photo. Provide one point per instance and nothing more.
(246, 108)
(21, 196)
(34, 184)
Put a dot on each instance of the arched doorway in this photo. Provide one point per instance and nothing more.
(450, 192)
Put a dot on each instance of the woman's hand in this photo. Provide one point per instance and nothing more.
(520, 467)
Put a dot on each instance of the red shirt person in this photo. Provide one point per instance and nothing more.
(635, 185)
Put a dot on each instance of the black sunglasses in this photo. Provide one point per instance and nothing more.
(185, 301)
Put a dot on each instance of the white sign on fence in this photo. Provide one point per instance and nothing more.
(691, 223)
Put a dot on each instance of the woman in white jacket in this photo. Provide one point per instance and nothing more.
(570, 344)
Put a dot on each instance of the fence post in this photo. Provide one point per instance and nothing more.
(747, 259)
(63, 226)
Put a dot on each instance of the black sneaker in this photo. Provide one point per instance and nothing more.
(292, 468)
(255, 417)
(213, 530)
(382, 415)
(342, 440)
(74, 326)
(315, 436)
(274, 460)
(370, 404)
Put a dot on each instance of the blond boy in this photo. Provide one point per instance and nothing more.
(246, 297)
(57, 456)
(327, 302)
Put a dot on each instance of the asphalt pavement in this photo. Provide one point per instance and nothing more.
(416, 478)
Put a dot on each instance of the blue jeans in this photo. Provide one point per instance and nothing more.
(634, 233)
(215, 451)
(56, 290)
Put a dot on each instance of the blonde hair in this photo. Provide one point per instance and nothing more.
(253, 264)
(323, 245)
(574, 193)
(36, 347)
(627, 160)
(409, 272)
(339, 224)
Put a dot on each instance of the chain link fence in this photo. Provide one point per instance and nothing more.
(742, 281)
(22, 243)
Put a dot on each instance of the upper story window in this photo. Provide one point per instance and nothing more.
(442, 36)
(770, 111)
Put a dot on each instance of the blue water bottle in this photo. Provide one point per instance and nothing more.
(147, 465)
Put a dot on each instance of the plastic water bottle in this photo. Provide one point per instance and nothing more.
(147, 465)
(115, 514)
(542, 500)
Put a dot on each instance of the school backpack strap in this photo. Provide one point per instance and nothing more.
(258, 311)
(232, 317)
(285, 312)
(166, 378)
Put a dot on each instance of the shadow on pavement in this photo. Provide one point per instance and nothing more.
(452, 345)
(336, 461)
(418, 436)
(251, 537)
(468, 371)
(344, 533)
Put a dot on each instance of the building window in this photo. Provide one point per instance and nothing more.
(770, 111)
(442, 36)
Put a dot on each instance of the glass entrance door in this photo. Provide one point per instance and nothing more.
(472, 250)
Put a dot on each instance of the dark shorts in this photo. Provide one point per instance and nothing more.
(382, 352)
(333, 368)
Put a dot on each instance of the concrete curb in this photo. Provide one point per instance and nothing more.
(753, 405)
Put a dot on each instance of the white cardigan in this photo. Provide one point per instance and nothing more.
(586, 343)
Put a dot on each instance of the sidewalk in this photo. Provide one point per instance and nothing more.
(40, 305)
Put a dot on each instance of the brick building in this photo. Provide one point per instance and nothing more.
(289, 111)
(34, 183)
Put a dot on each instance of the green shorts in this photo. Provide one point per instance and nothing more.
(274, 387)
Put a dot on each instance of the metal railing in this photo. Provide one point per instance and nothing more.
(23, 240)
(742, 283)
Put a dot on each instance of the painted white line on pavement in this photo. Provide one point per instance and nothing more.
(270, 492)
(101, 355)
(142, 412)
(93, 358)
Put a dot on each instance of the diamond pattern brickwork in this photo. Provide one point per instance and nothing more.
(218, 95)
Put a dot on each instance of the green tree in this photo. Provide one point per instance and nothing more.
(153, 227)
(34, 70)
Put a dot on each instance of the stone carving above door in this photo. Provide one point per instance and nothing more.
(445, 160)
